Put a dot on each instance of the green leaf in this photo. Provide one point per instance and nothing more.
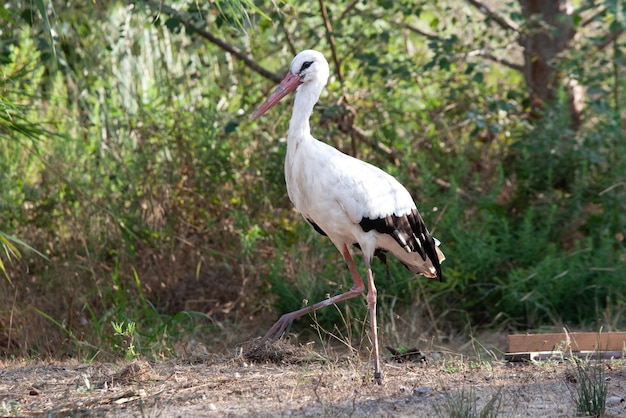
(386, 4)
(231, 126)
(42, 10)
(173, 24)
(5, 238)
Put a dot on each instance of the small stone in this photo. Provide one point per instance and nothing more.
(422, 390)
(614, 400)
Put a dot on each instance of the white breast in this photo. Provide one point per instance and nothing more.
(337, 191)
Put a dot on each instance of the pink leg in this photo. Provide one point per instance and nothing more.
(284, 322)
(371, 304)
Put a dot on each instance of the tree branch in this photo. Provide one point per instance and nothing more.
(348, 9)
(290, 42)
(503, 23)
(497, 60)
(358, 133)
(612, 37)
(593, 17)
(331, 40)
(346, 124)
(333, 49)
(183, 18)
(418, 31)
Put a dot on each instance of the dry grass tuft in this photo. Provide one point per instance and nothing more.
(137, 371)
(403, 354)
(282, 352)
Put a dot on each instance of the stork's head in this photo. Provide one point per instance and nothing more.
(309, 66)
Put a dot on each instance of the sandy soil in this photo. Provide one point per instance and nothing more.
(299, 382)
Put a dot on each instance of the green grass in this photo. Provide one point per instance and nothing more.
(591, 387)
(463, 404)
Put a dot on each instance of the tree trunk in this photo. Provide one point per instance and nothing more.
(548, 32)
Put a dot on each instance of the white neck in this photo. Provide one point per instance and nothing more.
(306, 97)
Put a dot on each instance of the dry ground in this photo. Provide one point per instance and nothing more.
(295, 382)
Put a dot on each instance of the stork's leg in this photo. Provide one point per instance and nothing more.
(371, 304)
(284, 323)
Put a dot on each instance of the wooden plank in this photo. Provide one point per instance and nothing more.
(554, 355)
(579, 341)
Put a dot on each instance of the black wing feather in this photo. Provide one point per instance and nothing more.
(316, 227)
(410, 233)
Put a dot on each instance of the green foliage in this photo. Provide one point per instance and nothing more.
(126, 339)
(100, 185)
(9, 251)
(591, 388)
(11, 409)
(463, 405)
(19, 132)
(308, 269)
(8, 245)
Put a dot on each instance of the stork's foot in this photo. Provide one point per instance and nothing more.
(280, 328)
(378, 378)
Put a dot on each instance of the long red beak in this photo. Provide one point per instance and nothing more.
(289, 84)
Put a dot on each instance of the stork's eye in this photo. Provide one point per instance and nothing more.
(305, 66)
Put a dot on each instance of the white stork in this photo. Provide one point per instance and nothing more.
(350, 201)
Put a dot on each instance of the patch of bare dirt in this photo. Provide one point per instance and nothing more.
(289, 381)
